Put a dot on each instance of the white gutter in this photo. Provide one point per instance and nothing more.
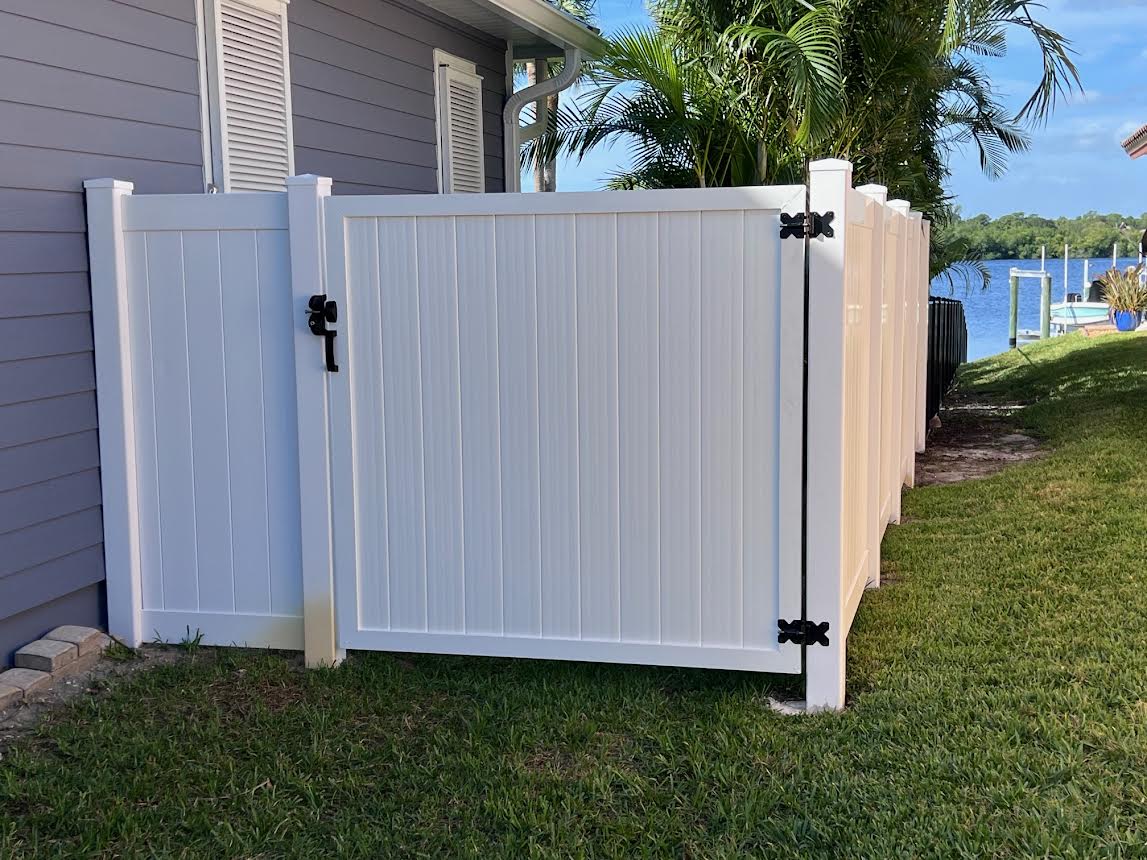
(513, 135)
(545, 21)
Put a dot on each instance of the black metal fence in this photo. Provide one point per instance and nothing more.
(947, 347)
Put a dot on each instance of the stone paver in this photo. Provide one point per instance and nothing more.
(47, 655)
(86, 639)
(9, 696)
(26, 680)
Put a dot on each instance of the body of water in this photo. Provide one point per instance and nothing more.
(986, 310)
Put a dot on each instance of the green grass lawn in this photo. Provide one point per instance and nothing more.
(999, 705)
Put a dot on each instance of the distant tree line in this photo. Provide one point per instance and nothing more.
(1019, 236)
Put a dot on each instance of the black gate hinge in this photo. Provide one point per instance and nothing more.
(796, 226)
(803, 632)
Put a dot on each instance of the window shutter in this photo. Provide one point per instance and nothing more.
(254, 104)
(460, 130)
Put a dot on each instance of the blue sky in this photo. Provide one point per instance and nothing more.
(1075, 164)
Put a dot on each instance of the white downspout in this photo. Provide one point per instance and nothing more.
(513, 135)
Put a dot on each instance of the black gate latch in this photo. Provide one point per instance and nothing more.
(319, 313)
(803, 632)
(797, 226)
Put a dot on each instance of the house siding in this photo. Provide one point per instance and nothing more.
(110, 88)
(99, 88)
(362, 93)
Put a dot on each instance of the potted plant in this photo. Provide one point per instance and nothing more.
(1126, 295)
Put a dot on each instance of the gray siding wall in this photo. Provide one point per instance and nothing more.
(362, 76)
(91, 88)
(111, 88)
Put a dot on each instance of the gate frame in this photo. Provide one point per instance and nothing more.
(341, 408)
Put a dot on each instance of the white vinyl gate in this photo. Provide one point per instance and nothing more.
(577, 426)
(569, 425)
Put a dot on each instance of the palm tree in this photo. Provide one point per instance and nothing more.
(724, 92)
(920, 91)
(695, 108)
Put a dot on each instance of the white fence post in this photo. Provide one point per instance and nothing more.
(912, 336)
(878, 194)
(903, 280)
(829, 184)
(305, 196)
(112, 336)
(922, 340)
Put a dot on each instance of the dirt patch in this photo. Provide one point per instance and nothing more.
(973, 440)
(21, 720)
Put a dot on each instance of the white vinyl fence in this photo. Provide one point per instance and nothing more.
(564, 426)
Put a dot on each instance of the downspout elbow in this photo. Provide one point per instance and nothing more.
(512, 132)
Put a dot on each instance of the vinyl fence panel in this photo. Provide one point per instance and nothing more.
(570, 426)
(209, 419)
(573, 425)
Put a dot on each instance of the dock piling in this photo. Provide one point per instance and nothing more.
(1045, 306)
(1013, 310)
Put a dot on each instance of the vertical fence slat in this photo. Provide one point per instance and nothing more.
(210, 452)
(518, 398)
(481, 410)
(365, 328)
(247, 431)
(146, 484)
(877, 351)
(560, 516)
(441, 423)
(282, 445)
(402, 420)
(722, 420)
(678, 313)
(921, 355)
(639, 434)
(596, 264)
(165, 277)
(899, 394)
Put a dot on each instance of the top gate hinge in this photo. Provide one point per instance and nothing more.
(802, 632)
(796, 226)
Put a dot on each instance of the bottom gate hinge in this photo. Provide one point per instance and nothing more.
(801, 632)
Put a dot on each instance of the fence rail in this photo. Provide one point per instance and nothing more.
(947, 348)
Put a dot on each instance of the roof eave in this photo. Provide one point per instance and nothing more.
(1136, 144)
(548, 22)
(534, 27)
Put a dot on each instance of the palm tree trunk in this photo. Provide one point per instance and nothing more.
(531, 80)
(545, 170)
(550, 168)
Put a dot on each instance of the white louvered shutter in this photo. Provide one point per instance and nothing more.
(460, 130)
(254, 103)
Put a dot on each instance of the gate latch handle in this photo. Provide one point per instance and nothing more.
(319, 313)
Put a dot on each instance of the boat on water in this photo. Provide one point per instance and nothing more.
(1070, 316)
(1073, 313)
